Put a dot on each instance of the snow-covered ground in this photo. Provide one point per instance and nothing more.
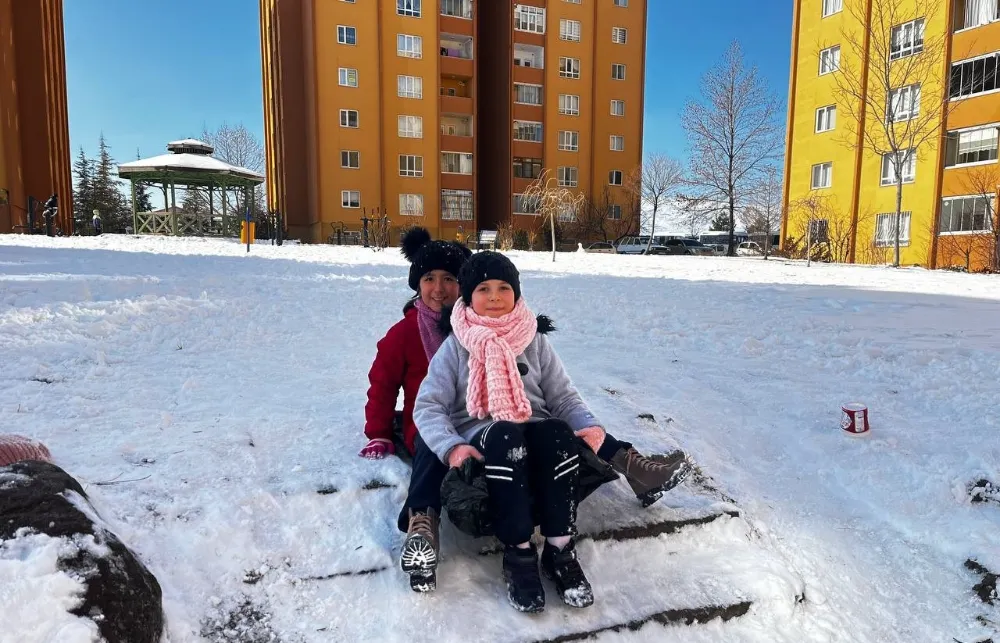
(222, 392)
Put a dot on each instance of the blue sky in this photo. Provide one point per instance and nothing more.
(146, 73)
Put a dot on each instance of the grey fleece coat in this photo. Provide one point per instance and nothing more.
(440, 412)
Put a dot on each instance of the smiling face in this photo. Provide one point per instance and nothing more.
(438, 288)
(493, 298)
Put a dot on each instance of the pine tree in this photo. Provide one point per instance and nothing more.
(108, 197)
(720, 222)
(195, 201)
(142, 200)
(83, 193)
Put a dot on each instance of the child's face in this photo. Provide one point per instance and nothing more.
(493, 298)
(438, 288)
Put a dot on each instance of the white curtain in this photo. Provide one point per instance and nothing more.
(979, 12)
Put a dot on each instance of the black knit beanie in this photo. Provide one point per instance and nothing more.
(426, 255)
(484, 266)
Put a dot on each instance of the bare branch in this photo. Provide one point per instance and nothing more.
(553, 201)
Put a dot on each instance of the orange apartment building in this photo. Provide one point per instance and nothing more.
(441, 112)
(34, 126)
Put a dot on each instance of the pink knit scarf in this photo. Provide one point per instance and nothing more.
(427, 324)
(495, 386)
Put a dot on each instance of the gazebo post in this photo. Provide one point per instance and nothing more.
(173, 208)
(211, 205)
(225, 222)
(135, 217)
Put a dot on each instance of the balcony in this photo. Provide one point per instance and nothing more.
(456, 55)
(456, 133)
(455, 104)
(456, 17)
(529, 63)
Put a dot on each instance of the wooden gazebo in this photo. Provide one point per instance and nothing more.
(189, 164)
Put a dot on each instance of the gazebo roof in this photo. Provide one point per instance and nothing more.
(189, 161)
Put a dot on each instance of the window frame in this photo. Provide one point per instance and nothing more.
(953, 141)
(826, 112)
(884, 221)
(568, 35)
(539, 88)
(460, 157)
(417, 120)
(526, 22)
(411, 12)
(989, 211)
(619, 138)
(915, 46)
(826, 166)
(535, 126)
(417, 170)
(411, 81)
(344, 76)
(619, 31)
(568, 176)
(418, 198)
(615, 67)
(345, 199)
(566, 140)
(614, 175)
(838, 4)
(910, 163)
(463, 214)
(569, 70)
(342, 35)
(620, 102)
(346, 114)
(834, 52)
(348, 165)
(569, 104)
(411, 39)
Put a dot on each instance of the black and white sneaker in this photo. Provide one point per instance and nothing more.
(524, 585)
(563, 568)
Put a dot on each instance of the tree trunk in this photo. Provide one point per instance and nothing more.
(899, 212)
(649, 242)
(732, 224)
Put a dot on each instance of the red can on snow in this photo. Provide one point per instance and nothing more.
(855, 418)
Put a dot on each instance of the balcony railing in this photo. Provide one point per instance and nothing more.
(457, 8)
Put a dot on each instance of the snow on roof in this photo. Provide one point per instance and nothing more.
(188, 141)
(193, 162)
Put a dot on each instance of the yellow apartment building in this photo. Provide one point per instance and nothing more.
(441, 112)
(949, 193)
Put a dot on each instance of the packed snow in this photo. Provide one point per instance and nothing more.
(222, 394)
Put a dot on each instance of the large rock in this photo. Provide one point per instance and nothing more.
(122, 597)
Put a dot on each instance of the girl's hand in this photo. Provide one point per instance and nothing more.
(593, 436)
(461, 453)
(377, 449)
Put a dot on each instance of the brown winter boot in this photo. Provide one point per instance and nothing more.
(651, 477)
(419, 557)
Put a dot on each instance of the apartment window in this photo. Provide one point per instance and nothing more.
(885, 229)
(567, 176)
(411, 205)
(569, 141)
(615, 212)
(569, 30)
(904, 104)
(569, 104)
(527, 168)
(572, 1)
(829, 60)
(906, 39)
(976, 76)
(975, 13)
(347, 35)
(621, 3)
(972, 146)
(822, 175)
(615, 177)
(350, 199)
(966, 214)
(457, 8)
(569, 67)
(566, 213)
(617, 71)
(527, 94)
(528, 131)
(619, 35)
(456, 163)
(409, 86)
(411, 165)
(348, 118)
(831, 7)
(617, 143)
(529, 18)
(408, 8)
(456, 205)
(350, 159)
(526, 205)
(348, 77)
(826, 118)
(617, 108)
(409, 46)
(410, 126)
(908, 161)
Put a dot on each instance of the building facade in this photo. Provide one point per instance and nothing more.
(441, 112)
(34, 126)
(950, 182)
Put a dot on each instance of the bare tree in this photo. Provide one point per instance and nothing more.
(551, 200)
(887, 78)
(237, 145)
(732, 134)
(763, 215)
(661, 176)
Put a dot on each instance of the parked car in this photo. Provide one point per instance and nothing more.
(749, 249)
(638, 246)
(688, 247)
(718, 248)
(602, 247)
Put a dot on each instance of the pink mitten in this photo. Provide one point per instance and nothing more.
(593, 436)
(377, 449)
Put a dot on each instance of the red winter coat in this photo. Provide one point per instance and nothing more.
(399, 362)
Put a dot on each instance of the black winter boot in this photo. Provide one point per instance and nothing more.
(563, 568)
(524, 585)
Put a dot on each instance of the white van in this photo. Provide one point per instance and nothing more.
(637, 246)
